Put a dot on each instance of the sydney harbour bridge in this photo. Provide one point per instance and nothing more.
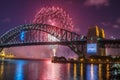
(53, 26)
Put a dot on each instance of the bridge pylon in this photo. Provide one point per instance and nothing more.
(93, 36)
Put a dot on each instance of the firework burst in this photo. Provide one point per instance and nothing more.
(54, 16)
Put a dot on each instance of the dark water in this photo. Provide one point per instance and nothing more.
(45, 70)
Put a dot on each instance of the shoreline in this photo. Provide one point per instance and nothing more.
(32, 59)
(62, 62)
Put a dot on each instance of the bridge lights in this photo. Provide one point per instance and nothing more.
(98, 38)
(81, 59)
(22, 36)
(99, 60)
(91, 38)
(82, 37)
(91, 60)
(107, 60)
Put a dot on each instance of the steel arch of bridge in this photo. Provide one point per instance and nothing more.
(65, 37)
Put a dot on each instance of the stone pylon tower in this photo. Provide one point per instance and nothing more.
(93, 36)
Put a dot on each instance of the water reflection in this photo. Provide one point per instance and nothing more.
(100, 71)
(1, 69)
(68, 70)
(32, 71)
(75, 71)
(45, 70)
(19, 72)
(91, 72)
(81, 71)
(107, 71)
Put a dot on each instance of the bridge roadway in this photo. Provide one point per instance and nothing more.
(5, 45)
(110, 41)
(82, 42)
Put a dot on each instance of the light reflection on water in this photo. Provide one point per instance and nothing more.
(45, 70)
(19, 70)
(91, 72)
(100, 71)
(81, 71)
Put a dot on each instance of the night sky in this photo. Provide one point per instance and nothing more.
(85, 13)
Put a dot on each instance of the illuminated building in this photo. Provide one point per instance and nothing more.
(6, 55)
(94, 34)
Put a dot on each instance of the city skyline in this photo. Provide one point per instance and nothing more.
(104, 13)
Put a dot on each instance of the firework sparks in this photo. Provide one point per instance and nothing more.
(54, 16)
